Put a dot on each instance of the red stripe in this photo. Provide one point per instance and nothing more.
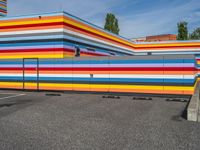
(68, 50)
(46, 50)
(3, 11)
(121, 69)
(72, 26)
(105, 69)
(83, 52)
(57, 23)
(31, 50)
(93, 54)
(154, 47)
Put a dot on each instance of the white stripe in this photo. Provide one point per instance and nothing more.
(96, 40)
(58, 75)
(65, 75)
(12, 96)
(31, 32)
(169, 50)
(145, 76)
(11, 75)
(66, 31)
(60, 30)
(121, 76)
(30, 47)
(103, 75)
(81, 75)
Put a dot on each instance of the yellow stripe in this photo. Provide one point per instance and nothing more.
(124, 41)
(183, 88)
(96, 31)
(98, 86)
(30, 84)
(167, 44)
(3, 6)
(32, 56)
(56, 85)
(39, 21)
(11, 83)
(138, 87)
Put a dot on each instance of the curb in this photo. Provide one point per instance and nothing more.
(193, 107)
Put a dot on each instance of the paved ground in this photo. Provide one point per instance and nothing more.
(83, 121)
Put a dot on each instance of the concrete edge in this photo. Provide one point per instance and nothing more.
(193, 107)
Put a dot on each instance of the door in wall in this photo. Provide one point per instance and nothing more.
(30, 74)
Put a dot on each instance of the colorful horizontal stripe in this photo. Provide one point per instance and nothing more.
(50, 41)
(64, 30)
(156, 74)
(3, 7)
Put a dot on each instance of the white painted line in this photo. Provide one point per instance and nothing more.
(12, 96)
(10, 93)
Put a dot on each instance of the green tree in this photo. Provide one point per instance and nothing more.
(111, 23)
(182, 31)
(195, 35)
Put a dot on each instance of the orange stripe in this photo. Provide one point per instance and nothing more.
(30, 53)
(32, 28)
(31, 19)
(136, 91)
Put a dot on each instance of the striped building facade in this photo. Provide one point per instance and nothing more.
(59, 35)
(59, 51)
(128, 74)
(3, 8)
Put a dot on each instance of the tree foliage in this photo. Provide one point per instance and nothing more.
(111, 23)
(182, 31)
(195, 35)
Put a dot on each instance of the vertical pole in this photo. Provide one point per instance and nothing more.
(23, 72)
(37, 74)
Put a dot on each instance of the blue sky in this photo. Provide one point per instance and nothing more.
(137, 18)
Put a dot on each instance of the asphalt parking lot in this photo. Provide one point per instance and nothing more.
(34, 120)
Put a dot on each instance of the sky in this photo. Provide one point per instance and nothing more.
(137, 18)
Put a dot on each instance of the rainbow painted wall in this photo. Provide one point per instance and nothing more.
(3, 8)
(56, 35)
(127, 74)
(38, 53)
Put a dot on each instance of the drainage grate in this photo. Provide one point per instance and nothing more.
(142, 98)
(53, 94)
(176, 100)
(6, 105)
(111, 96)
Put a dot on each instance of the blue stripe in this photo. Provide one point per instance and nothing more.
(32, 44)
(31, 38)
(117, 80)
(13, 62)
(3, 3)
(11, 78)
(110, 62)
